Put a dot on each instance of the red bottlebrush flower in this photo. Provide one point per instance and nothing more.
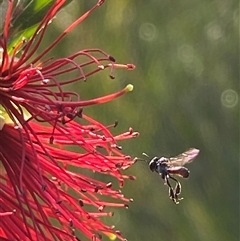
(45, 193)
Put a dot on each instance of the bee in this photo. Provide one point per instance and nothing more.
(166, 167)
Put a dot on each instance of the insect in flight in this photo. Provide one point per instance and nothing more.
(166, 167)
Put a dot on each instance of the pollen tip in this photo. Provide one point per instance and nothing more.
(111, 76)
(81, 203)
(100, 209)
(101, 67)
(133, 178)
(51, 139)
(109, 185)
(126, 206)
(118, 165)
(115, 123)
(129, 87)
(111, 58)
(100, 2)
(135, 134)
(131, 66)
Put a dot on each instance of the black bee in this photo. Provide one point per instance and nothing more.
(173, 166)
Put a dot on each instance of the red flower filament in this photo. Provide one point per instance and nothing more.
(45, 192)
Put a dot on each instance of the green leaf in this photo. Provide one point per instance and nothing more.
(25, 18)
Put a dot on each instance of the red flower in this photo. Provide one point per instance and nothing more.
(45, 192)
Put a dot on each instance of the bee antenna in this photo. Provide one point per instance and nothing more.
(140, 159)
(144, 154)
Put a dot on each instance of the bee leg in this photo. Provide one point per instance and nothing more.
(177, 189)
(172, 194)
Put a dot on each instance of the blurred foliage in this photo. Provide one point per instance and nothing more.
(25, 18)
(186, 95)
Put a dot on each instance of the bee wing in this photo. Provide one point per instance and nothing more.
(185, 157)
(179, 171)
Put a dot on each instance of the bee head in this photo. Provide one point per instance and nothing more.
(153, 164)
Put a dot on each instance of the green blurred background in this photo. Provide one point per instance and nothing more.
(186, 94)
